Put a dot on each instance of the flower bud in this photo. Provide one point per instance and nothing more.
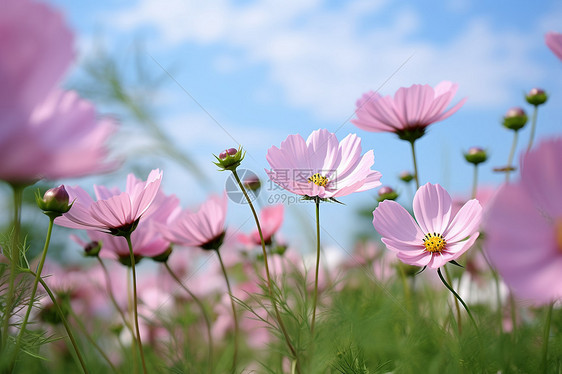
(227, 152)
(279, 249)
(92, 249)
(515, 118)
(406, 176)
(387, 193)
(55, 202)
(476, 155)
(230, 159)
(536, 96)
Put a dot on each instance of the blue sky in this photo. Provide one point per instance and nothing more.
(266, 69)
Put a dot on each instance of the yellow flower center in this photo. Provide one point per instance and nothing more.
(318, 180)
(434, 242)
(558, 233)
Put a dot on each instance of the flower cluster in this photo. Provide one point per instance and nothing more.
(220, 296)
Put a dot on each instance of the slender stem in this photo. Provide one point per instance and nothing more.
(511, 154)
(112, 296)
(546, 336)
(64, 322)
(458, 309)
(533, 127)
(269, 283)
(457, 296)
(202, 307)
(236, 328)
(34, 289)
(134, 352)
(14, 261)
(92, 340)
(315, 296)
(135, 302)
(416, 177)
(475, 182)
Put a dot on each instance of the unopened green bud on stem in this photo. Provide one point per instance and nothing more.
(55, 201)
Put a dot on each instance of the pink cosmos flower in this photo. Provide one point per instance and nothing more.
(147, 239)
(322, 166)
(554, 42)
(437, 237)
(411, 110)
(114, 211)
(271, 219)
(40, 47)
(204, 229)
(44, 132)
(524, 227)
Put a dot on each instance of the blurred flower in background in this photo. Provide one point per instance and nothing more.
(554, 42)
(524, 226)
(271, 219)
(45, 132)
(204, 228)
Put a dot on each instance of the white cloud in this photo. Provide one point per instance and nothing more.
(324, 58)
(199, 130)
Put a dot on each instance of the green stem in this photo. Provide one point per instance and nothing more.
(546, 336)
(416, 177)
(236, 328)
(202, 307)
(533, 127)
(269, 283)
(135, 302)
(64, 321)
(457, 296)
(457, 308)
(134, 351)
(14, 261)
(112, 296)
(33, 289)
(475, 182)
(92, 340)
(315, 295)
(511, 155)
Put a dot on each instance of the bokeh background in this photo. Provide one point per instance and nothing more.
(209, 75)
